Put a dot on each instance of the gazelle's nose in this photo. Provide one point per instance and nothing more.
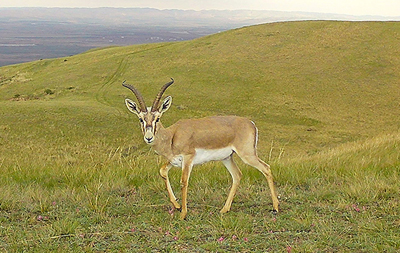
(148, 137)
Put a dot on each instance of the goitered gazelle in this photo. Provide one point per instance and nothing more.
(195, 141)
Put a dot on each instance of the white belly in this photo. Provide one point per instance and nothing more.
(204, 155)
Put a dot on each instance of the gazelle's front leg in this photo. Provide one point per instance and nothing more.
(164, 174)
(187, 166)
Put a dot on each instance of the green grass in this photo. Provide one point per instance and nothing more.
(77, 176)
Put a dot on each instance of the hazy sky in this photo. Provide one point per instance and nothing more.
(354, 7)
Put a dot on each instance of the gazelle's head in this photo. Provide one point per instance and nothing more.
(149, 116)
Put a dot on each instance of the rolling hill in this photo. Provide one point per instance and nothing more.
(307, 85)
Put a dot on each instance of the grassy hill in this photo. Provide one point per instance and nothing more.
(324, 95)
(307, 85)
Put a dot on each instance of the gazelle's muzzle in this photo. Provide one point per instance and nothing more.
(149, 135)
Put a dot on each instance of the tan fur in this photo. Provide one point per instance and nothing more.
(193, 141)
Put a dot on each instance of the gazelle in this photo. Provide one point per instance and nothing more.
(195, 141)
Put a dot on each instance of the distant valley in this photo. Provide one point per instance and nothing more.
(25, 41)
(29, 34)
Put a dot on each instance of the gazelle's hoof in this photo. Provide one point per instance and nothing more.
(183, 216)
(176, 205)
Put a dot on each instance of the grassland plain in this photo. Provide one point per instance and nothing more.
(76, 175)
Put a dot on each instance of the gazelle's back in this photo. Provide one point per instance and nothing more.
(214, 132)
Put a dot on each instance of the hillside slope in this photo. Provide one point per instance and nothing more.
(307, 85)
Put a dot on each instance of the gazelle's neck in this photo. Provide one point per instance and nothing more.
(163, 140)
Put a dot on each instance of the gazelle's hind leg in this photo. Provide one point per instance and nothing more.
(236, 176)
(259, 164)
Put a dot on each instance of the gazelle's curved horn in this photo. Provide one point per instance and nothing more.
(139, 96)
(156, 102)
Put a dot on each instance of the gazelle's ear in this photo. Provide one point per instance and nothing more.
(166, 104)
(132, 106)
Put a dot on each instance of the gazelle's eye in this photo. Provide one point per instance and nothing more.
(157, 120)
(141, 120)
